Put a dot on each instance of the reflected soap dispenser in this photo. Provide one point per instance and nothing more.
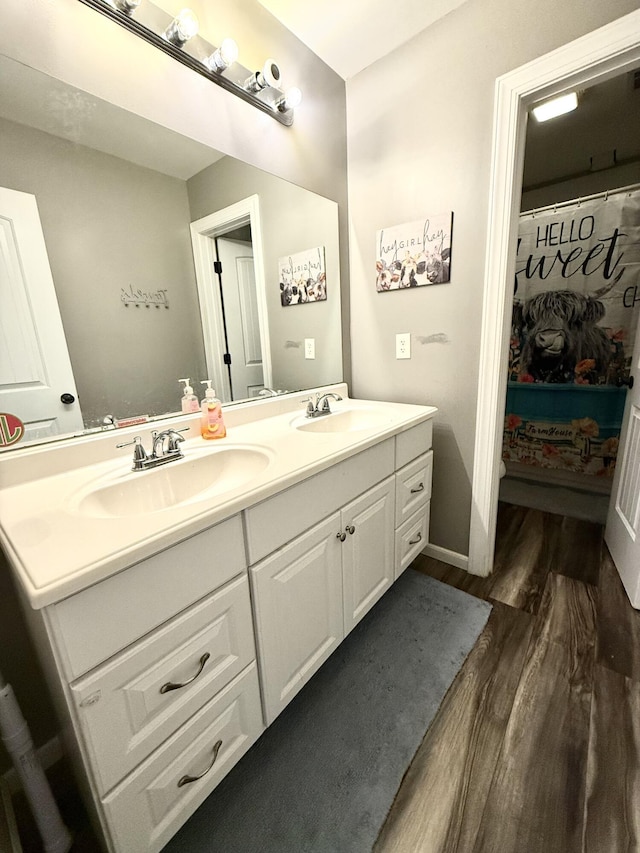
(212, 424)
(189, 400)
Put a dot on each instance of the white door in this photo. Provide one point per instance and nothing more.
(368, 550)
(297, 595)
(35, 369)
(241, 317)
(622, 533)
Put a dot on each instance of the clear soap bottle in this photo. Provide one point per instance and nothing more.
(212, 424)
(189, 400)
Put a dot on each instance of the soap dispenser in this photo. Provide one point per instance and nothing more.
(189, 400)
(212, 424)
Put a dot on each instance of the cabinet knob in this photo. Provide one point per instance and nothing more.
(350, 529)
(186, 780)
(341, 535)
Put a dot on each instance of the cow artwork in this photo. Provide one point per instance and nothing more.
(559, 333)
(414, 254)
(303, 277)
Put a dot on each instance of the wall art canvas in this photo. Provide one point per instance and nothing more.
(415, 254)
(303, 277)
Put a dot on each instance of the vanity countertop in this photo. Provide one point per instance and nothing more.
(57, 549)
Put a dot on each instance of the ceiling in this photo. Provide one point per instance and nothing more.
(349, 35)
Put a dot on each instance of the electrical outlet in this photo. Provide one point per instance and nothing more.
(309, 347)
(403, 345)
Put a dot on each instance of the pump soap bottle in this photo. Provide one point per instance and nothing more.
(189, 400)
(212, 424)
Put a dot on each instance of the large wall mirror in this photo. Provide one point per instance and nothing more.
(104, 208)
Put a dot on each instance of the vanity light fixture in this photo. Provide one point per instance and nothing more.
(290, 100)
(223, 57)
(178, 37)
(183, 27)
(556, 107)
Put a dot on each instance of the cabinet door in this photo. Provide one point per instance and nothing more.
(297, 594)
(368, 550)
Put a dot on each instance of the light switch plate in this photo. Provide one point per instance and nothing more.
(403, 345)
(309, 347)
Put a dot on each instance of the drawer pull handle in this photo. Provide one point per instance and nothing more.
(170, 684)
(186, 780)
(350, 528)
(416, 540)
(341, 536)
(419, 488)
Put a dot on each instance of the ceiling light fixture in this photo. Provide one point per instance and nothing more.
(178, 37)
(556, 107)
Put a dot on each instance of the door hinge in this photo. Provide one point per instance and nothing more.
(217, 267)
(227, 358)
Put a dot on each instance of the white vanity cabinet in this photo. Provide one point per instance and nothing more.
(155, 667)
(312, 589)
(309, 594)
(165, 670)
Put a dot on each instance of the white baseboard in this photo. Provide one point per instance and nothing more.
(452, 558)
(48, 754)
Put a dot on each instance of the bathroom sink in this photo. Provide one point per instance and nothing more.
(198, 476)
(347, 420)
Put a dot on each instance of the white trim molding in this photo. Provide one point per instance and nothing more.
(452, 558)
(604, 53)
(202, 231)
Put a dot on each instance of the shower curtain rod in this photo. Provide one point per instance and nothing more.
(578, 201)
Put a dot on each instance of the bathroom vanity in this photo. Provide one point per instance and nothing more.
(178, 610)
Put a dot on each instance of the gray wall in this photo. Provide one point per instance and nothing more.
(419, 131)
(293, 220)
(109, 224)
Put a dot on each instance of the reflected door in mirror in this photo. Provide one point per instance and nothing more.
(35, 370)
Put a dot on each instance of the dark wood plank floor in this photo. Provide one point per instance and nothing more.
(536, 747)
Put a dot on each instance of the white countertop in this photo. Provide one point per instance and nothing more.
(57, 550)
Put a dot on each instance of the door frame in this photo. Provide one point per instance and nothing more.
(203, 233)
(595, 57)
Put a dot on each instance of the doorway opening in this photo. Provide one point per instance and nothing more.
(605, 53)
(227, 249)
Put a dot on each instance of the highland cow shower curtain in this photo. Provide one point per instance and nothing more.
(575, 310)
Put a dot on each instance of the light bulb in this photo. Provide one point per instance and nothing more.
(290, 100)
(183, 27)
(223, 57)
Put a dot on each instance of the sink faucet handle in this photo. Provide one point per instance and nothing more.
(174, 438)
(139, 453)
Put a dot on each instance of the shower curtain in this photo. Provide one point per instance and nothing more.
(576, 303)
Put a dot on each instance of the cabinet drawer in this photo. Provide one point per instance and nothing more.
(123, 711)
(413, 487)
(98, 622)
(150, 805)
(411, 538)
(413, 442)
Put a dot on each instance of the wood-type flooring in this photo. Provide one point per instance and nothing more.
(536, 747)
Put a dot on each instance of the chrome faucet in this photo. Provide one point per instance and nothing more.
(165, 448)
(321, 405)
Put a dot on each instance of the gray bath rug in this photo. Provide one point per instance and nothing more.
(323, 776)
